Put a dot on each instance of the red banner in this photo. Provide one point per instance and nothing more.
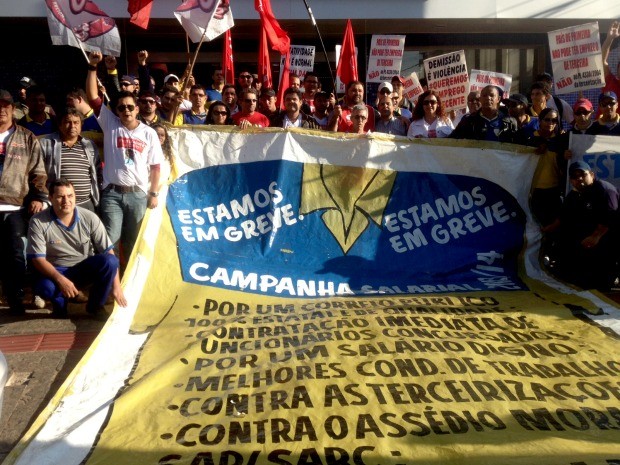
(140, 11)
(264, 65)
(228, 65)
(279, 40)
(347, 64)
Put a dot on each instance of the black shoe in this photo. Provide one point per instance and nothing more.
(59, 312)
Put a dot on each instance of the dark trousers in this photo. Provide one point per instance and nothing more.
(98, 270)
(12, 259)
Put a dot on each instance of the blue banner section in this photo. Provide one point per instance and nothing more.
(286, 228)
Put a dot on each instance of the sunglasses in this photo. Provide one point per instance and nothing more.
(582, 112)
(608, 104)
(429, 102)
(551, 120)
(198, 95)
(219, 113)
(126, 107)
(147, 101)
(249, 100)
(125, 84)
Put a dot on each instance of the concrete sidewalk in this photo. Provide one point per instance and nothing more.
(41, 352)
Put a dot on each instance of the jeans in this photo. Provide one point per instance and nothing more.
(122, 215)
(98, 270)
(12, 258)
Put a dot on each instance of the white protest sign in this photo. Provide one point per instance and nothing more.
(447, 74)
(412, 88)
(386, 57)
(479, 79)
(576, 58)
(302, 60)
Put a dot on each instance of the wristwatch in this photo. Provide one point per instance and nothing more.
(153, 194)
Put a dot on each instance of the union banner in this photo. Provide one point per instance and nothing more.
(306, 298)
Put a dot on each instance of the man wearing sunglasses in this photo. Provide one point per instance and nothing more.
(132, 155)
(607, 122)
(248, 116)
(244, 81)
(148, 113)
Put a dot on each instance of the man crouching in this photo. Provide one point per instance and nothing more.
(69, 248)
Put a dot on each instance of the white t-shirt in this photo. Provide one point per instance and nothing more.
(438, 128)
(128, 154)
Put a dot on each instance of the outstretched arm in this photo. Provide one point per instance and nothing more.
(612, 34)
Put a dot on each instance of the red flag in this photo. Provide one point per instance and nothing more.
(140, 11)
(228, 65)
(279, 41)
(264, 65)
(347, 63)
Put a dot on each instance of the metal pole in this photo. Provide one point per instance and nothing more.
(331, 73)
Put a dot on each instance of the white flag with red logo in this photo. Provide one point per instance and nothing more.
(80, 23)
(205, 19)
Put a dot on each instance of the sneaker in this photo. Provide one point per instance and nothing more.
(38, 302)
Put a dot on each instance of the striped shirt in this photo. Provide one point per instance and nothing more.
(74, 166)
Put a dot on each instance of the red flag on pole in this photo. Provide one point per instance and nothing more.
(264, 64)
(228, 65)
(279, 41)
(140, 11)
(347, 63)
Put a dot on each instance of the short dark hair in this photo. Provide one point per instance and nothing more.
(541, 85)
(60, 182)
(292, 90)
(68, 111)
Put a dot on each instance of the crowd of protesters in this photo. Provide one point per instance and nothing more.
(55, 157)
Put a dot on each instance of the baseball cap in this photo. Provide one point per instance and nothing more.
(171, 76)
(26, 82)
(6, 96)
(518, 98)
(385, 85)
(608, 94)
(268, 91)
(578, 165)
(583, 103)
(127, 78)
(398, 78)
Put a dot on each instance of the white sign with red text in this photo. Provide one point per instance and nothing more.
(412, 88)
(479, 79)
(386, 57)
(576, 58)
(447, 74)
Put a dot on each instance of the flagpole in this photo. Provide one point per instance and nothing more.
(331, 73)
(191, 68)
(105, 95)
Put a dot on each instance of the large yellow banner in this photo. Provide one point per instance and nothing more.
(276, 320)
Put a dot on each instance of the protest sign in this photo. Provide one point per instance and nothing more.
(479, 79)
(298, 315)
(447, 74)
(386, 57)
(576, 58)
(412, 88)
(302, 60)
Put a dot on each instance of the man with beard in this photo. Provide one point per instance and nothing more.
(340, 118)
